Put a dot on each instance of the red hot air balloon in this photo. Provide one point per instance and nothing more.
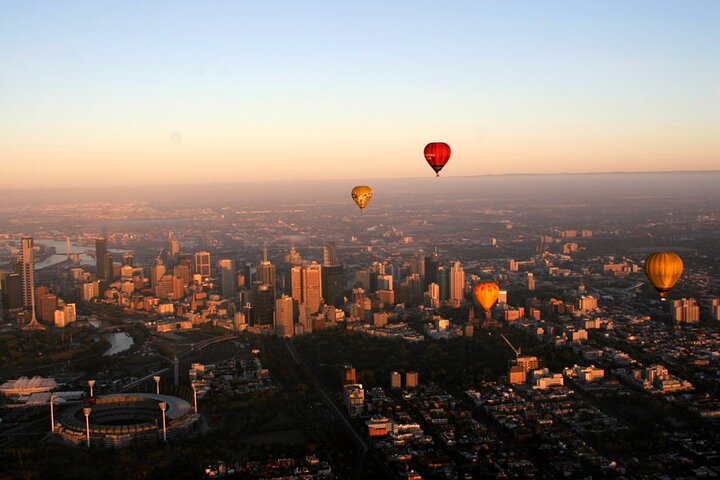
(437, 155)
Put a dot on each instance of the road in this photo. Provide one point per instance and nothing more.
(333, 408)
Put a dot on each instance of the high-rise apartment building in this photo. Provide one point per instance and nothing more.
(202, 264)
(530, 281)
(685, 310)
(27, 271)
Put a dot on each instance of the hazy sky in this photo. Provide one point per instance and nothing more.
(203, 91)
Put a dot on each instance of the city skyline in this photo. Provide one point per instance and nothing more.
(182, 94)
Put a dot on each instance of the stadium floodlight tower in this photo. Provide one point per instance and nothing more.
(157, 383)
(194, 387)
(86, 411)
(52, 414)
(91, 384)
(163, 407)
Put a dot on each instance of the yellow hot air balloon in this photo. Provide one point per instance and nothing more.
(486, 294)
(663, 269)
(362, 196)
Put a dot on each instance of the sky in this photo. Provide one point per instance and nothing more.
(173, 92)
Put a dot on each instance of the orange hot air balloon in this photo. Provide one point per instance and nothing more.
(361, 195)
(486, 293)
(663, 269)
(437, 155)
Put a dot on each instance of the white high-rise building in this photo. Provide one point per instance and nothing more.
(457, 284)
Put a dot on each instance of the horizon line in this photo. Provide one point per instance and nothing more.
(521, 174)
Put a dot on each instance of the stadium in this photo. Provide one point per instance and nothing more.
(119, 420)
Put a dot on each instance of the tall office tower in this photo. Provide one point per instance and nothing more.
(296, 283)
(410, 291)
(184, 272)
(156, 272)
(333, 285)
(101, 269)
(228, 277)
(330, 258)
(385, 282)
(173, 249)
(127, 259)
(685, 310)
(47, 304)
(266, 271)
(263, 304)
(293, 257)
(12, 291)
(433, 295)
(432, 262)
(420, 263)
(444, 283)
(284, 317)
(312, 286)
(457, 285)
(530, 281)
(27, 271)
(202, 264)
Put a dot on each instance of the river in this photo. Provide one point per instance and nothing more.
(61, 253)
(119, 342)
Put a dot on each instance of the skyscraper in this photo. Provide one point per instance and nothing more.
(443, 282)
(296, 284)
(432, 262)
(103, 260)
(27, 271)
(457, 285)
(202, 264)
(227, 277)
(330, 258)
(100, 251)
(173, 249)
(333, 285)
(284, 316)
(312, 286)
(157, 272)
(293, 257)
(263, 304)
(266, 271)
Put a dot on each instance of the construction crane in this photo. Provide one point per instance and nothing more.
(515, 350)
